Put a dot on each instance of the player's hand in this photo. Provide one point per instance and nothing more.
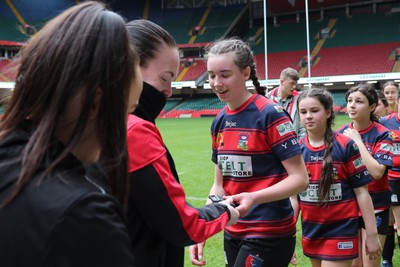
(244, 201)
(373, 247)
(353, 134)
(196, 254)
(234, 214)
(293, 261)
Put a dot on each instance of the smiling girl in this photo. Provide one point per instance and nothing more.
(375, 146)
(391, 92)
(338, 188)
(257, 162)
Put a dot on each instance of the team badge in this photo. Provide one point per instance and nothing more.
(394, 135)
(243, 141)
(335, 174)
(253, 261)
(219, 140)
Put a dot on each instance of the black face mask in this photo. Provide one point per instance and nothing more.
(151, 103)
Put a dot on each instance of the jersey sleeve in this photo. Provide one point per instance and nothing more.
(91, 233)
(382, 149)
(280, 133)
(357, 171)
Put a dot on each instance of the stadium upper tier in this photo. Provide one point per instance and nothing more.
(357, 44)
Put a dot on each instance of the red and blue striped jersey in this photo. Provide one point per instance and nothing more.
(248, 145)
(330, 230)
(378, 142)
(392, 122)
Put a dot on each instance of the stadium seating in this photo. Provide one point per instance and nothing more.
(194, 71)
(217, 22)
(42, 9)
(8, 70)
(178, 22)
(355, 60)
(357, 44)
(277, 62)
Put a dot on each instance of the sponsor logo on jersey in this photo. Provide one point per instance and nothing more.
(386, 147)
(358, 163)
(316, 158)
(230, 124)
(384, 156)
(345, 245)
(312, 193)
(235, 166)
(396, 148)
(243, 142)
(355, 146)
(285, 128)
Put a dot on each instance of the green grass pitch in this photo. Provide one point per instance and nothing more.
(190, 145)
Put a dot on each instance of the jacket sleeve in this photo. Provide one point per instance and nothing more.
(92, 233)
(160, 199)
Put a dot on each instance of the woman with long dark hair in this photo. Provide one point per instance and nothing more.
(78, 79)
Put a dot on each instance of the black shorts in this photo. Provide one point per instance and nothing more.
(395, 188)
(276, 252)
(382, 222)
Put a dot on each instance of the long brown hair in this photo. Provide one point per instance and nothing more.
(84, 48)
(326, 100)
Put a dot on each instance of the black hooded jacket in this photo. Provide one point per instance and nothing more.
(64, 220)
